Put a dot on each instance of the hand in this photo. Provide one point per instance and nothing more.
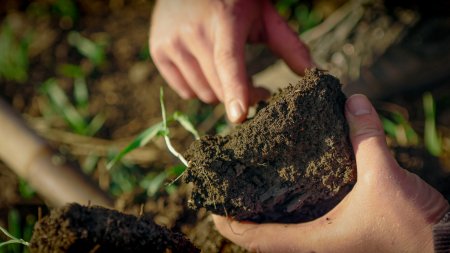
(198, 47)
(388, 210)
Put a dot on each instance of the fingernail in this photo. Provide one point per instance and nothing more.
(358, 105)
(235, 110)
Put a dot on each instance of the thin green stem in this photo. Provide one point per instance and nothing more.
(166, 131)
(13, 239)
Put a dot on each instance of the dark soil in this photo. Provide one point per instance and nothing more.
(292, 162)
(76, 228)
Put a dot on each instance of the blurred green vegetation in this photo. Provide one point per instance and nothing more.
(93, 51)
(14, 61)
(300, 14)
(74, 114)
(400, 129)
(432, 138)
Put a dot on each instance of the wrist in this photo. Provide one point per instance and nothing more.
(441, 235)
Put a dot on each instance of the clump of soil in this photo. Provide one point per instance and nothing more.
(292, 162)
(81, 229)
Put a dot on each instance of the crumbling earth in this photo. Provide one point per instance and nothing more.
(76, 228)
(291, 162)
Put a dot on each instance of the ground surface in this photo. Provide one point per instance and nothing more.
(76, 228)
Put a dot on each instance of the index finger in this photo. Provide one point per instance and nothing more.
(230, 65)
(269, 237)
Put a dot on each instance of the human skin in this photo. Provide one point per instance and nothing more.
(198, 47)
(388, 210)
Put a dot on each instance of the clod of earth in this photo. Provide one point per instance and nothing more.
(81, 229)
(291, 162)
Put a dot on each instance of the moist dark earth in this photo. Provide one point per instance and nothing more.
(76, 228)
(291, 162)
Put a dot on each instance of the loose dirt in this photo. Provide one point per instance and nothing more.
(76, 228)
(292, 162)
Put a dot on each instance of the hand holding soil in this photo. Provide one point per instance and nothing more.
(388, 210)
(198, 46)
(292, 162)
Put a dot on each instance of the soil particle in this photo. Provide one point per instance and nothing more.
(292, 162)
(76, 228)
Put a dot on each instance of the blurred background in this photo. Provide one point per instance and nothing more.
(80, 75)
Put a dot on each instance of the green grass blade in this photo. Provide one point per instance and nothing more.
(70, 70)
(62, 105)
(25, 190)
(81, 94)
(13, 55)
(90, 163)
(95, 125)
(155, 183)
(66, 8)
(186, 123)
(389, 126)
(176, 170)
(14, 228)
(30, 221)
(433, 142)
(139, 141)
(94, 52)
(411, 135)
(7, 233)
(14, 241)
(8, 242)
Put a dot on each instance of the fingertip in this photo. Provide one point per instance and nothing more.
(358, 104)
(236, 111)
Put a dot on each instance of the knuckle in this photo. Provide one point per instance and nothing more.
(366, 128)
(161, 48)
(192, 30)
(174, 43)
(224, 56)
(368, 132)
(165, 44)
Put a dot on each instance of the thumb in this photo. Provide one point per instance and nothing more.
(283, 41)
(367, 137)
(374, 158)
